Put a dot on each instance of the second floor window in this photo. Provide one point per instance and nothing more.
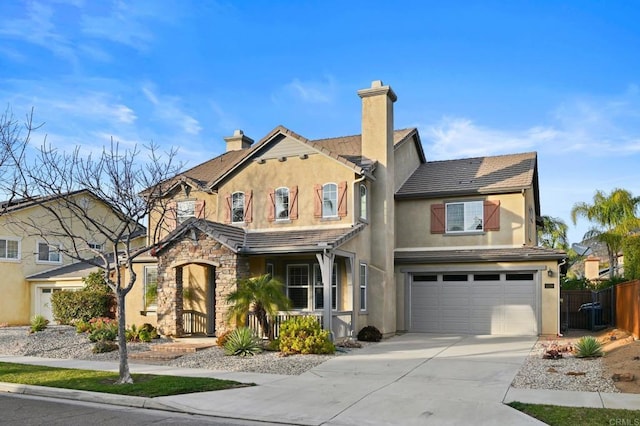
(282, 204)
(237, 207)
(464, 216)
(49, 253)
(363, 202)
(330, 200)
(9, 249)
(185, 210)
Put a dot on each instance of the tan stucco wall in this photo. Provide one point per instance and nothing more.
(304, 173)
(406, 160)
(17, 304)
(418, 214)
(548, 298)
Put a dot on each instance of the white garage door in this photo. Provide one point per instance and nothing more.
(474, 303)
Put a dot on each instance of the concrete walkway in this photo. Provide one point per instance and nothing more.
(408, 379)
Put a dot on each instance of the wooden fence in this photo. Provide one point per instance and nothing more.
(628, 307)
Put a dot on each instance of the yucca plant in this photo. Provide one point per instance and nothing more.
(38, 323)
(588, 347)
(242, 342)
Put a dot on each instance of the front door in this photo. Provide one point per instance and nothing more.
(45, 308)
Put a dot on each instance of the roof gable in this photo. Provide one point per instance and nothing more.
(480, 175)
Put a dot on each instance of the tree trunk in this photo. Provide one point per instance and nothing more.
(125, 376)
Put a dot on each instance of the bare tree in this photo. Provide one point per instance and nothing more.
(14, 140)
(66, 186)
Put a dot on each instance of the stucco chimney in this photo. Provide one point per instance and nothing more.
(238, 141)
(377, 145)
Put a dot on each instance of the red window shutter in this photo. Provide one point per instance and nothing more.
(271, 212)
(227, 217)
(437, 219)
(293, 203)
(171, 215)
(248, 207)
(342, 199)
(492, 215)
(199, 209)
(317, 201)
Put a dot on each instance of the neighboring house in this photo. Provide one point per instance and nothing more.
(34, 266)
(362, 230)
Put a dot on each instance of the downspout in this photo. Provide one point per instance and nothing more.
(564, 261)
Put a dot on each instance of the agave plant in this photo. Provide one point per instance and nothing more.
(242, 342)
(588, 347)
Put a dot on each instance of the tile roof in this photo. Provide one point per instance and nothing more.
(480, 175)
(524, 253)
(256, 242)
(346, 149)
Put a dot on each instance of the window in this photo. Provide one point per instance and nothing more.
(330, 200)
(237, 207)
(150, 286)
(464, 216)
(271, 270)
(9, 249)
(318, 287)
(364, 280)
(49, 253)
(363, 202)
(455, 277)
(95, 246)
(185, 210)
(298, 286)
(282, 204)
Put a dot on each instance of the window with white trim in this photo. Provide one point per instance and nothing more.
(185, 210)
(9, 249)
(464, 216)
(95, 246)
(298, 286)
(49, 253)
(364, 280)
(318, 287)
(150, 287)
(329, 200)
(363, 202)
(237, 207)
(282, 203)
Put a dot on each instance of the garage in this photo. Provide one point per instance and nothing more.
(503, 303)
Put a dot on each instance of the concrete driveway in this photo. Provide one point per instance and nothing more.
(407, 379)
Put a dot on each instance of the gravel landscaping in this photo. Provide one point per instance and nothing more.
(566, 373)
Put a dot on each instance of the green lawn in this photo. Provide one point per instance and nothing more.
(147, 385)
(555, 415)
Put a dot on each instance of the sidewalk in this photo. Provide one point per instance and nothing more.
(410, 379)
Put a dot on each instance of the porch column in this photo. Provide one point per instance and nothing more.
(325, 259)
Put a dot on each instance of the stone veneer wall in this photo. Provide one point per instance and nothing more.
(229, 268)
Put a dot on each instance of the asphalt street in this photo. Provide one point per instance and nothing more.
(34, 411)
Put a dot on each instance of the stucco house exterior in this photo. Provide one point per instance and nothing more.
(33, 253)
(362, 230)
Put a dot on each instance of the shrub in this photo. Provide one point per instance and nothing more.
(71, 306)
(145, 333)
(242, 342)
(38, 323)
(221, 340)
(303, 335)
(82, 326)
(103, 329)
(103, 346)
(588, 347)
(369, 334)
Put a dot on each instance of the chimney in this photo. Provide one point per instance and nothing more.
(238, 141)
(377, 145)
(377, 122)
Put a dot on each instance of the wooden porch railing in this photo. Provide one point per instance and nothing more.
(341, 322)
(194, 322)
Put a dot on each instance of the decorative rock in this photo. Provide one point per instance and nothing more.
(623, 377)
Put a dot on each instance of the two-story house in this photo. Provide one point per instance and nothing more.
(35, 258)
(362, 230)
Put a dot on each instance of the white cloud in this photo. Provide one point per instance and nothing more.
(313, 92)
(167, 109)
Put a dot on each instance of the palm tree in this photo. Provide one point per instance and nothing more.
(262, 295)
(615, 218)
(553, 233)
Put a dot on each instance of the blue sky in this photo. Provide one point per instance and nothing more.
(476, 78)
